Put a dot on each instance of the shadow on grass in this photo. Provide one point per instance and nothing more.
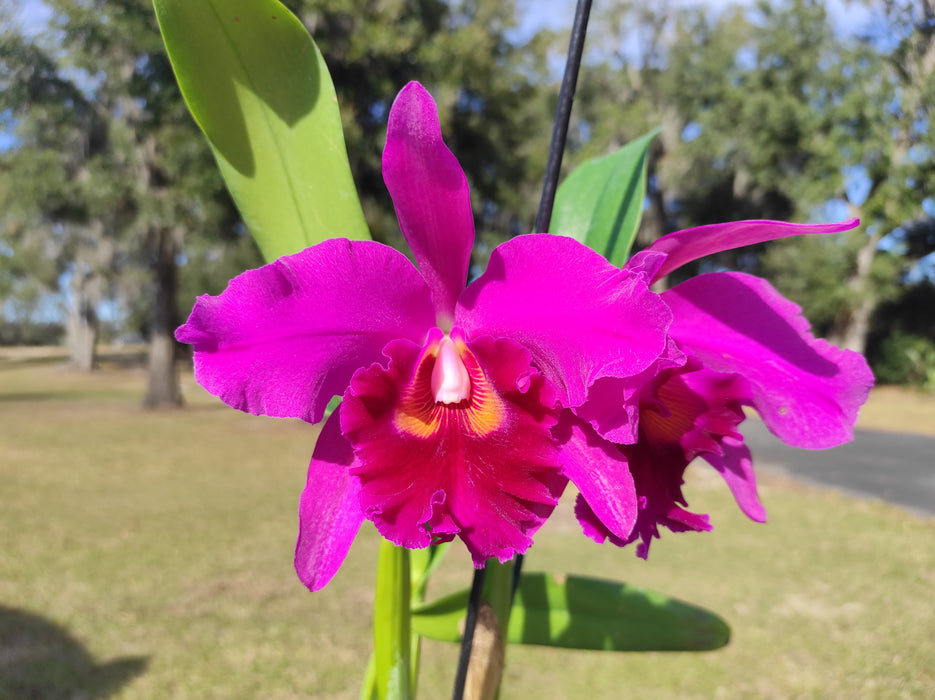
(39, 659)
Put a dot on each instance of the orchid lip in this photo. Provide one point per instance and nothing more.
(449, 388)
(451, 382)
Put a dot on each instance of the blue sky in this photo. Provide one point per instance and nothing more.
(848, 17)
(33, 15)
(539, 14)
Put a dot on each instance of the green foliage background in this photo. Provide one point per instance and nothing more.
(765, 112)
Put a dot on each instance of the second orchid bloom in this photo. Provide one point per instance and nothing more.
(466, 411)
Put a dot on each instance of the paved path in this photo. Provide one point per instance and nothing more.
(894, 467)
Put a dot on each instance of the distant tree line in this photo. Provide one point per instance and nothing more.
(31, 333)
(109, 196)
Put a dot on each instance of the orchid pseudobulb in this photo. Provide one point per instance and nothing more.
(466, 411)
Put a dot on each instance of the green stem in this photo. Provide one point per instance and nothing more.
(414, 667)
(416, 598)
(392, 637)
(498, 591)
(368, 689)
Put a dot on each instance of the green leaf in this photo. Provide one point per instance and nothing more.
(601, 202)
(441, 618)
(582, 613)
(259, 89)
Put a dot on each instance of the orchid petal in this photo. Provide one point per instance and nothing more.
(601, 473)
(329, 510)
(658, 476)
(684, 413)
(682, 247)
(613, 403)
(658, 472)
(722, 396)
(807, 391)
(580, 317)
(283, 339)
(735, 465)
(431, 196)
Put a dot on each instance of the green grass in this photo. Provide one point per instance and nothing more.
(150, 554)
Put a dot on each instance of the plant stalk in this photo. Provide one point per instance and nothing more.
(392, 636)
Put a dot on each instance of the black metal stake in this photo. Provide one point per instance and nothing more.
(557, 149)
(543, 217)
(563, 115)
(470, 622)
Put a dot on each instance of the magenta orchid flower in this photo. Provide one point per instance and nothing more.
(466, 411)
(746, 346)
(458, 413)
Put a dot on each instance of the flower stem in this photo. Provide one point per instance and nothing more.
(499, 591)
(481, 662)
(392, 637)
(562, 116)
(368, 689)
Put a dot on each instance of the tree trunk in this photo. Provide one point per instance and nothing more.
(850, 331)
(82, 322)
(164, 389)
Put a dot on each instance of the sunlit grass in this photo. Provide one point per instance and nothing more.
(162, 543)
(899, 409)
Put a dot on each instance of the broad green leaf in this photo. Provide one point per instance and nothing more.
(392, 639)
(442, 619)
(583, 613)
(601, 202)
(259, 89)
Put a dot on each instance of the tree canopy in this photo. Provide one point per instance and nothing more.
(110, 196)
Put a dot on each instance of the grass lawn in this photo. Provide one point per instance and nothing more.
(149, 555)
